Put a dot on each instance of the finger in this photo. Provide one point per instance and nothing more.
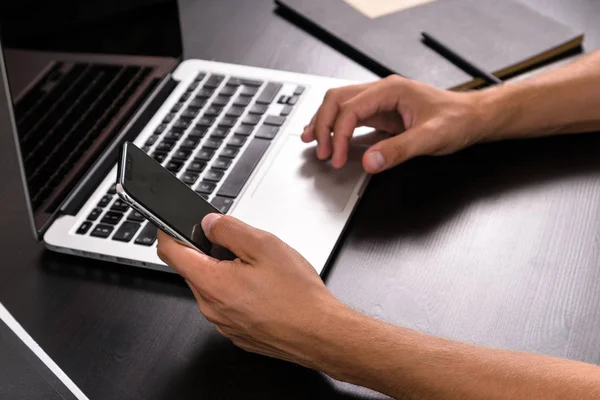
(188, 262)
(381, 97)
(398, 149)
(244, 241)
(309, 131)
(326, 116)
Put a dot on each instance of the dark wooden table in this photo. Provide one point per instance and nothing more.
(498, 245)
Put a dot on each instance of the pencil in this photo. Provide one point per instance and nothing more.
(459, 60)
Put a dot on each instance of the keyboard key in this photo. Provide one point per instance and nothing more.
(285, 111)
(242, 101)
(243, 168)
(237, 141)
(204, 154)
(205, 93)
(190, 113)
(251, 119)
(212, 143)
(259, 109)
(94, 214)
(173, 135)
(244, 130)
(151, 140)
(177, 107)
(159, 156)
(228, 91)
(113, 189)
(220, 101)
(146, 149)
(190, 144)
(222, 204)
(189, 178)
(214, 175)
(174, 166)
(102, 231)
(220, 132)
(283, 99)
(229, 152)
(147, 236)
(205, 187)
(267, 132)
(235, 111)
(135, 216)
(119, 205)
(269, 92)
(206, 121)
(84, 227)
(181, 154)
(274, 120)
(249, 91)
(227, 122)
(104, 201)
(126, 231)
(196, 166)
(214, 81)
(169, 118)
(181, 125)
(160, 129)
(235, 82)
(199, 77)
(251, 82)
(213, 111)
(293, 100)
(165, 145)
(112, 218)
(222, 163)
(185, 96)
(198, 132)
(193, 86)
(197, 103)
(299, 90)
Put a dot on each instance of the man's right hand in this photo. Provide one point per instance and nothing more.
(425, 120)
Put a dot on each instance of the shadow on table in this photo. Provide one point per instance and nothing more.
(419, 196)
(89, 270)
(207, 365)
(220, 370)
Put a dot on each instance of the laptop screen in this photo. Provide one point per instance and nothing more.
(77, 71)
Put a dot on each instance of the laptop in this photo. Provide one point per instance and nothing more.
(77, 88)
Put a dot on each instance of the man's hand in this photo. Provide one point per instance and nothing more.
(434, 121)
(269, 301)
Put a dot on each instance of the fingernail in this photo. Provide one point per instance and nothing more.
(375, 161)
(208, 221)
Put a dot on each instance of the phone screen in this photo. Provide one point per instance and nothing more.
(169, 199)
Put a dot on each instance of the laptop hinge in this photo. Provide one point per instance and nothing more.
(82, 192)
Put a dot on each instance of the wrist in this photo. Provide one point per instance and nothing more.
(341, 345)
(493, 111)
(320, 341)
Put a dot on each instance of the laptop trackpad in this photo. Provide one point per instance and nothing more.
(297, 178)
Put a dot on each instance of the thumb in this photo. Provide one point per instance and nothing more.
(398, 149)
(243, 240)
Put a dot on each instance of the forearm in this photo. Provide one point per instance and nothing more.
(406, 364)
(566, 100)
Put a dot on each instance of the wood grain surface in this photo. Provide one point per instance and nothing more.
(497, 245)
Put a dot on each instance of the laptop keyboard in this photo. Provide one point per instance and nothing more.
(214, 137)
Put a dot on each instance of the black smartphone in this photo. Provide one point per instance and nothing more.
(165, 201)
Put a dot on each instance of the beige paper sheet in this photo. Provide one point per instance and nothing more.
(379, 8)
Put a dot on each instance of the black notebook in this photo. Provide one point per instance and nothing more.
(502, 36)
